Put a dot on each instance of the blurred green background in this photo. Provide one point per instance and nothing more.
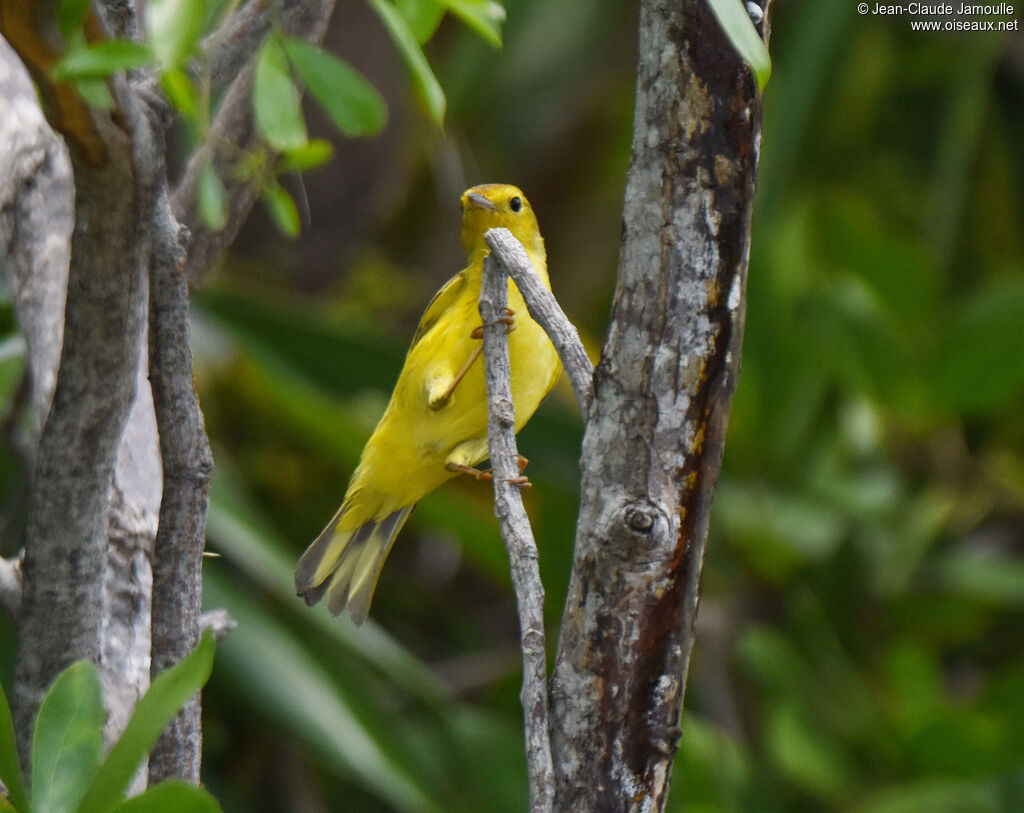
(861, 633)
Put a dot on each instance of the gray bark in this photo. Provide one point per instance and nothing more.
(654, 434)
(516, 531)
(62, 616)
(36, 220)
(97, 475)
(187, 464)
(547, 313)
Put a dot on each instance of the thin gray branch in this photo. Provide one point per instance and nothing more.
(655, 430)
(546, 312)
(220, 621)
(187, 465)
(232, 141)
(518, 536)
(230, 47)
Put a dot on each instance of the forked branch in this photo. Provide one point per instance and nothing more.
(510, 259)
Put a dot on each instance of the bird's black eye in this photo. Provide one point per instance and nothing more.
(515, 204)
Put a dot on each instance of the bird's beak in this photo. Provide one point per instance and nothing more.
(479, 200)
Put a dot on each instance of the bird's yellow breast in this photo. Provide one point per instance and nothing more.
(405, 459)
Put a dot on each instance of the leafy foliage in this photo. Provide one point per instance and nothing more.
(69, 772)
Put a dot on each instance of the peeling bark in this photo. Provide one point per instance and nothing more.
(654, 434)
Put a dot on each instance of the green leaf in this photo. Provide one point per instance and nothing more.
(712, 767)
(935, 795)
(101, 60)
(181, 92)
(316, 153)
(736, 23)
(10, 765)
(212, 198)
(245, 537)
(981, 576)
(68, 742)
(276, 100)
(175, 27)
(71, 15)
(293, 688)
(172, 795)
(802, 750)
(778, 531)
(95, 92)
(483, 16)
(980, 362)
(423, 16)
(351, 102)
(423, 78)
(166, 695)
(282, 209)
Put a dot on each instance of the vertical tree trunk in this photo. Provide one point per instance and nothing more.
(66, 537)
(654, 434)
(36, 221)
(96, 490)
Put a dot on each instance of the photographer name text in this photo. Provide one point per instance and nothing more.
(943, 9)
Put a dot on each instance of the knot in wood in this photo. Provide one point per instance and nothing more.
(532, 641)
(505, 413)
(639, 517)
(645, 525)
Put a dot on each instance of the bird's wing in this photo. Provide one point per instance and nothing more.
(441, 302)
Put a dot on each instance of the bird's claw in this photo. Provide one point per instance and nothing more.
(507, 319)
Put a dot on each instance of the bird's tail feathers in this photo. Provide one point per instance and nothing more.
(346, 565)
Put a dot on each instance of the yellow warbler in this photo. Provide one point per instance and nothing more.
(435, 425)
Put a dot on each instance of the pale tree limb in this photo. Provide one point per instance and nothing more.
(187, 465)
(655, 430)
(546, 312)
(36, 219)
(518, 536)
(10, 585)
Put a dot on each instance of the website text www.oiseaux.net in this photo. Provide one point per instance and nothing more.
(947, 16)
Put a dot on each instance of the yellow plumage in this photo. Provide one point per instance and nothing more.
(435, 425)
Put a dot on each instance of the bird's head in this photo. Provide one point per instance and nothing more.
(498, 205)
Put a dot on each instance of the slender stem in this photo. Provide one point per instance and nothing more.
(546, 311)
(515, 529)
(187, 463)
